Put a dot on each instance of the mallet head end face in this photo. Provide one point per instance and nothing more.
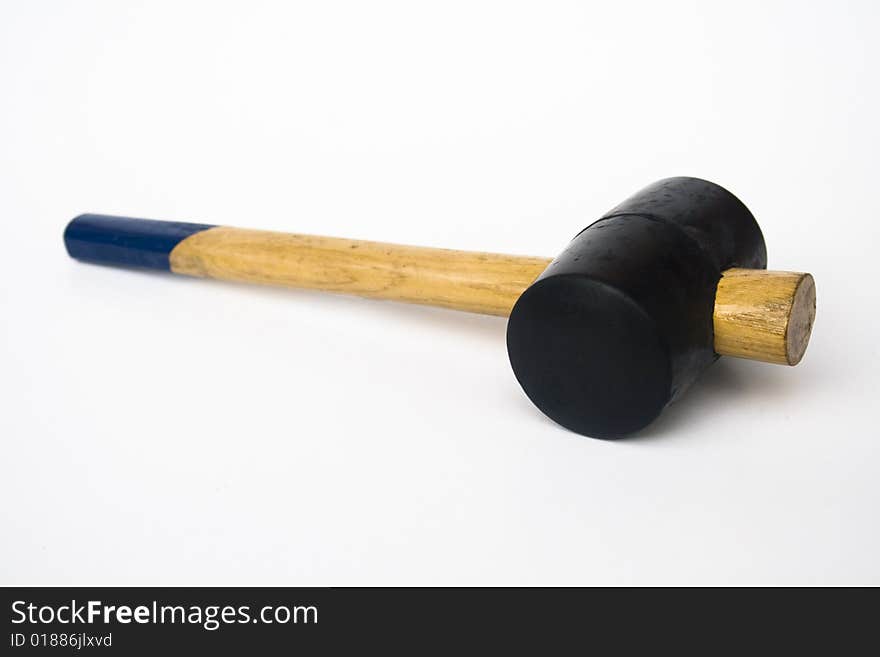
(589, 356)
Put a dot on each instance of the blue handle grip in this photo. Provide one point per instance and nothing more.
(126, 242)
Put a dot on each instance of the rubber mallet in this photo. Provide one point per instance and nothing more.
(601, 338)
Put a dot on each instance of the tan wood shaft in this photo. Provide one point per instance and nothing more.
(764, 315)
(758, 314)
(486, 283)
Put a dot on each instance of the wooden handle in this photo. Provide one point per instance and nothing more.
(486, 283)
(758, 314)
(764, 315)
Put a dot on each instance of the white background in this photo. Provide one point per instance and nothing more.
(162, 430)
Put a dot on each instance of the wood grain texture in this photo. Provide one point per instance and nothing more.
(485, 283)
(760, 315)
(764, 315)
